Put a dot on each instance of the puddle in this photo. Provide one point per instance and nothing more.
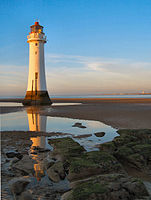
(65, 104)
(31, 120)
(3, 104)
(9, 104)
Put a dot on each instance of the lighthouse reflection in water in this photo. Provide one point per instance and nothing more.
(38, 123)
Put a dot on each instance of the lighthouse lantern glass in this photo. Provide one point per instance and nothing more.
(36, 29)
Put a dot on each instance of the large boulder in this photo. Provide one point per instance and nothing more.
(25, 165)
(65, 148)
(93, 163)
(18, 185)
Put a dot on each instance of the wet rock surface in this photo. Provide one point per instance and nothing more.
(87, 164)
(99, 134)
(106, 187)
(132, 149)
(79, 125)
(18, 185)
(93, 163)
(26, 196)
(94, 175)
(26, 177)
(25, 165)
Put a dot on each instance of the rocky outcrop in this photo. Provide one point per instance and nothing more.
(132, 149)
(107, 187)
(98, 174)
(93, 163)
(93, 175)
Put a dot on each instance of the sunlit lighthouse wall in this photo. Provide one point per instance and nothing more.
(36, 93)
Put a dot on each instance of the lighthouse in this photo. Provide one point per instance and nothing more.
(36, 93)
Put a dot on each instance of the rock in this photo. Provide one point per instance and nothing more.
(14, 160)
(56, 172)
(67, 195)
(108, 147)
(132, 149)
(47, 163)
(93, 163)
(79, 125)
(19, 156)
(107, 187)
(148, 186)
(135, 185)
(18, 185)
(26, 196)
(39, 149)
(13, 154)
(58, 167)
(99, 134)
(25, 165)
(53, 175)
(65, 148)
(83, 136)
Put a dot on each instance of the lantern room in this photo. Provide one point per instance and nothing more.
(36, 28)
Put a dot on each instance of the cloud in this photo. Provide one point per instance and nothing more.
(73, 74)
(13, 79)
(94, 74)
(98, 64)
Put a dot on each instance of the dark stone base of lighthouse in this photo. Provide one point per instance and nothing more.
(36, 98)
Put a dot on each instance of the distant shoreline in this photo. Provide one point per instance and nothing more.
(87, 100)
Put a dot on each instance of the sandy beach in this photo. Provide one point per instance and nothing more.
(118, 113)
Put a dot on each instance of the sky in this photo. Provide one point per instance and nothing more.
(94, 46)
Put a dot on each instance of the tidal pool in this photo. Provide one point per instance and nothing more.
(30, 119)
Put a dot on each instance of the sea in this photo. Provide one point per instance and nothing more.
(146, 96)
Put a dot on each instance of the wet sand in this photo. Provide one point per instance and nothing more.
(118, 113)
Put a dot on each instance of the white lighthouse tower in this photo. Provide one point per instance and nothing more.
(36, 93)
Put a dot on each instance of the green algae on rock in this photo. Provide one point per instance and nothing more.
(92, 163)
(132, 149)
(107, 187)
(66, 148)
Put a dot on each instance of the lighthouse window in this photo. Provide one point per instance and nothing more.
(36, 75)
(35, 52)
(36, 44)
